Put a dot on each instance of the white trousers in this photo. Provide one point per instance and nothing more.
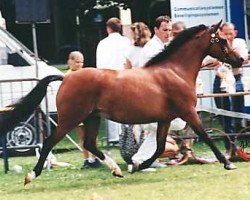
(114, 130)
(148, 147)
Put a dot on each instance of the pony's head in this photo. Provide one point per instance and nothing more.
(219, 48)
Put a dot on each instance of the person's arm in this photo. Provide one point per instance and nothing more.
(222, 75)
(210, 62)
(243, 50)
(100, 55)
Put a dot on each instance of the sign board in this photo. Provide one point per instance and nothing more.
(32, 11)
(195, 12)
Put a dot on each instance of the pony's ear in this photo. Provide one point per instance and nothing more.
(215, 27)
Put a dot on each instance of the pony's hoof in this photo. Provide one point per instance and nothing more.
(230, 166)
(117, 172)
(29, 177)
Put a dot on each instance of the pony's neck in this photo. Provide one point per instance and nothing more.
(189, 58)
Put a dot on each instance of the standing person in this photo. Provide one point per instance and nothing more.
(161, 38)
(140, 36)
(110, 54)
(219, 86)
(239, 45)
(235, 103)
(76, 62)
(178, 27)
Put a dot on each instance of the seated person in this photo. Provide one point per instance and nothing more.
(135, 141)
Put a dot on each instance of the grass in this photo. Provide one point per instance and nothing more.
(190, 181)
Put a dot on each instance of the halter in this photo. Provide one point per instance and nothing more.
(215, 39)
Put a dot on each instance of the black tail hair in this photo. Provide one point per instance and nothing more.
(25, 106)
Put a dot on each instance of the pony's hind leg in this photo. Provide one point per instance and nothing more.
(92, 124)
(162, 131)
(48, 144)
(195, 123)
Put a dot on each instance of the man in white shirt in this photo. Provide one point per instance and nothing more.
(235, 103)
(238, 45)
(111, 51)
(162, 37)
(110, 54)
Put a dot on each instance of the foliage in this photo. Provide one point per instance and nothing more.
(103, 4)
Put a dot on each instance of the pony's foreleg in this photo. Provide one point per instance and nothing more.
(195, 123)
(91, 131)
(162, 131)
(115, 169)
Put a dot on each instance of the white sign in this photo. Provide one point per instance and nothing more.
(195, 12)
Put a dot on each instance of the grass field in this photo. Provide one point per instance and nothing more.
(191, 181)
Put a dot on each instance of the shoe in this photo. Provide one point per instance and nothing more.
(149, 170)
(157, 164)
(96, 163)
(130, 168)
(86, 165)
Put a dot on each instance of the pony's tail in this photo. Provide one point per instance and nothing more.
(25, 106)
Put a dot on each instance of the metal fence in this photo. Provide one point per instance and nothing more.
(29, 134)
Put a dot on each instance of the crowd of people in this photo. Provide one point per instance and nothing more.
(117, 52)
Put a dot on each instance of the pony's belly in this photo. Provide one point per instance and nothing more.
(135, 114)
(143, 102)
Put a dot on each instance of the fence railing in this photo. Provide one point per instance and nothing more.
(27, 135)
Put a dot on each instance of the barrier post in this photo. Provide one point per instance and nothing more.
(5, 154)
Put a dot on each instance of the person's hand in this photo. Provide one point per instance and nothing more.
(214, 63)
(127, 64)
(146, 132)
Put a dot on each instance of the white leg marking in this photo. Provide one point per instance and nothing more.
(29, 177)
(115, 169)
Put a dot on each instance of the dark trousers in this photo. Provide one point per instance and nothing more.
(231, 104)
(223, 103)
(238, 103)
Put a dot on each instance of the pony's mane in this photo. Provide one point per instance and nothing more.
(175, 44)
